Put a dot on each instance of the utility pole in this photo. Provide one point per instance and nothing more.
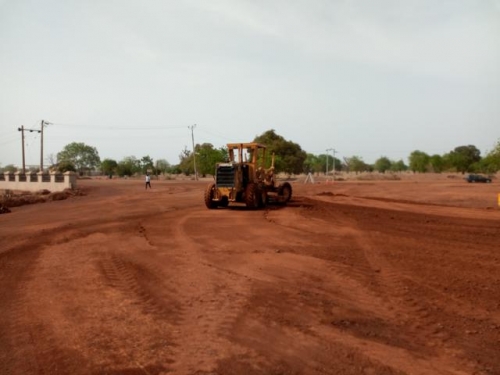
(22, 129)
(41, 144)
(326, 173)
(329, 149)
(333, 152)
(194, 153)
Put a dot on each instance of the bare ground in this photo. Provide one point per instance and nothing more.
(370, 277)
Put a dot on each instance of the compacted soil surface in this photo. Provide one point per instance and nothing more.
(351, 277)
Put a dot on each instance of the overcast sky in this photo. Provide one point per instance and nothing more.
(367, 78)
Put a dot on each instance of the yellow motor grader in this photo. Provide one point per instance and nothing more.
(244, 179)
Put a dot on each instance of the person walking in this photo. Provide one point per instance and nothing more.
(148, 181)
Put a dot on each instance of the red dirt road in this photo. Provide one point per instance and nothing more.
(395, 277)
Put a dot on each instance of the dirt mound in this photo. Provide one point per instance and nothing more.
(17, 199)
(378, 176)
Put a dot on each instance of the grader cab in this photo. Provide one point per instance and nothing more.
(245, 179)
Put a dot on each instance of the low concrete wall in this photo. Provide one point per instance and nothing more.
(38, 181)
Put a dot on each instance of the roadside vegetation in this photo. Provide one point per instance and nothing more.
(290, 159)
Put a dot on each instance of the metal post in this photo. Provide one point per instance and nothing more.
(194, 152)
(41, 148)
(21, 129)
(329, 149)
(44, 123)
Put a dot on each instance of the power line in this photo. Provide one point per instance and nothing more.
(216, 135)
(4, 141)
(101, 127)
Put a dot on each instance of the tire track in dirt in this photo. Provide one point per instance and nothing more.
(428, 320)
(415, 316)
(144, 284)
(387, 290)
(213, 305)
(37, 334)
(18, 352)
(28, 345)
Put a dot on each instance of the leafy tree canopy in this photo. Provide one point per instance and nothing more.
(491, 162)
(163, 166)
(463, 157)
(128, 166)
(437, 163)
(289, 155)
(82, 156)
(356, 164)
(207, 156)
(109, 166)
(419, 161)
(186, 162)
(312, 164)
(66, 166)
(146, 164)
(382, 164)
(9, 168)
(399, 166)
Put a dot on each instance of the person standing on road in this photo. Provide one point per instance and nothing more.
(148, 181)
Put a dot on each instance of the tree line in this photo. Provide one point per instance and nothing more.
(289, 159)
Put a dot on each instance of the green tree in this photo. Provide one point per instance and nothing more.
(186, 164)
(82, 156)
(162, 166)
(109, 166)
(289, 156)
(129, 166)
(207, 156)
(419, 161)
(65, 166)
(399, 166)
(463, 157)
(491, 162)
(146, 164)
(327, 160)
(356, 164)
(10, 168)
(437, 163)
(383, 164)
(313, 164)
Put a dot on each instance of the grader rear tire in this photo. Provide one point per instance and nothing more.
(252, 196)
(209, 196)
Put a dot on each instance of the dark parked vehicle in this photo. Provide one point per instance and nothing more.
(477, 178)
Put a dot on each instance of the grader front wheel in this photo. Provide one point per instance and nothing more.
(209, 196)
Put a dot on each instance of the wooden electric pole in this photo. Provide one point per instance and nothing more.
(21, 129)
(41, 149)
(41, 144)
